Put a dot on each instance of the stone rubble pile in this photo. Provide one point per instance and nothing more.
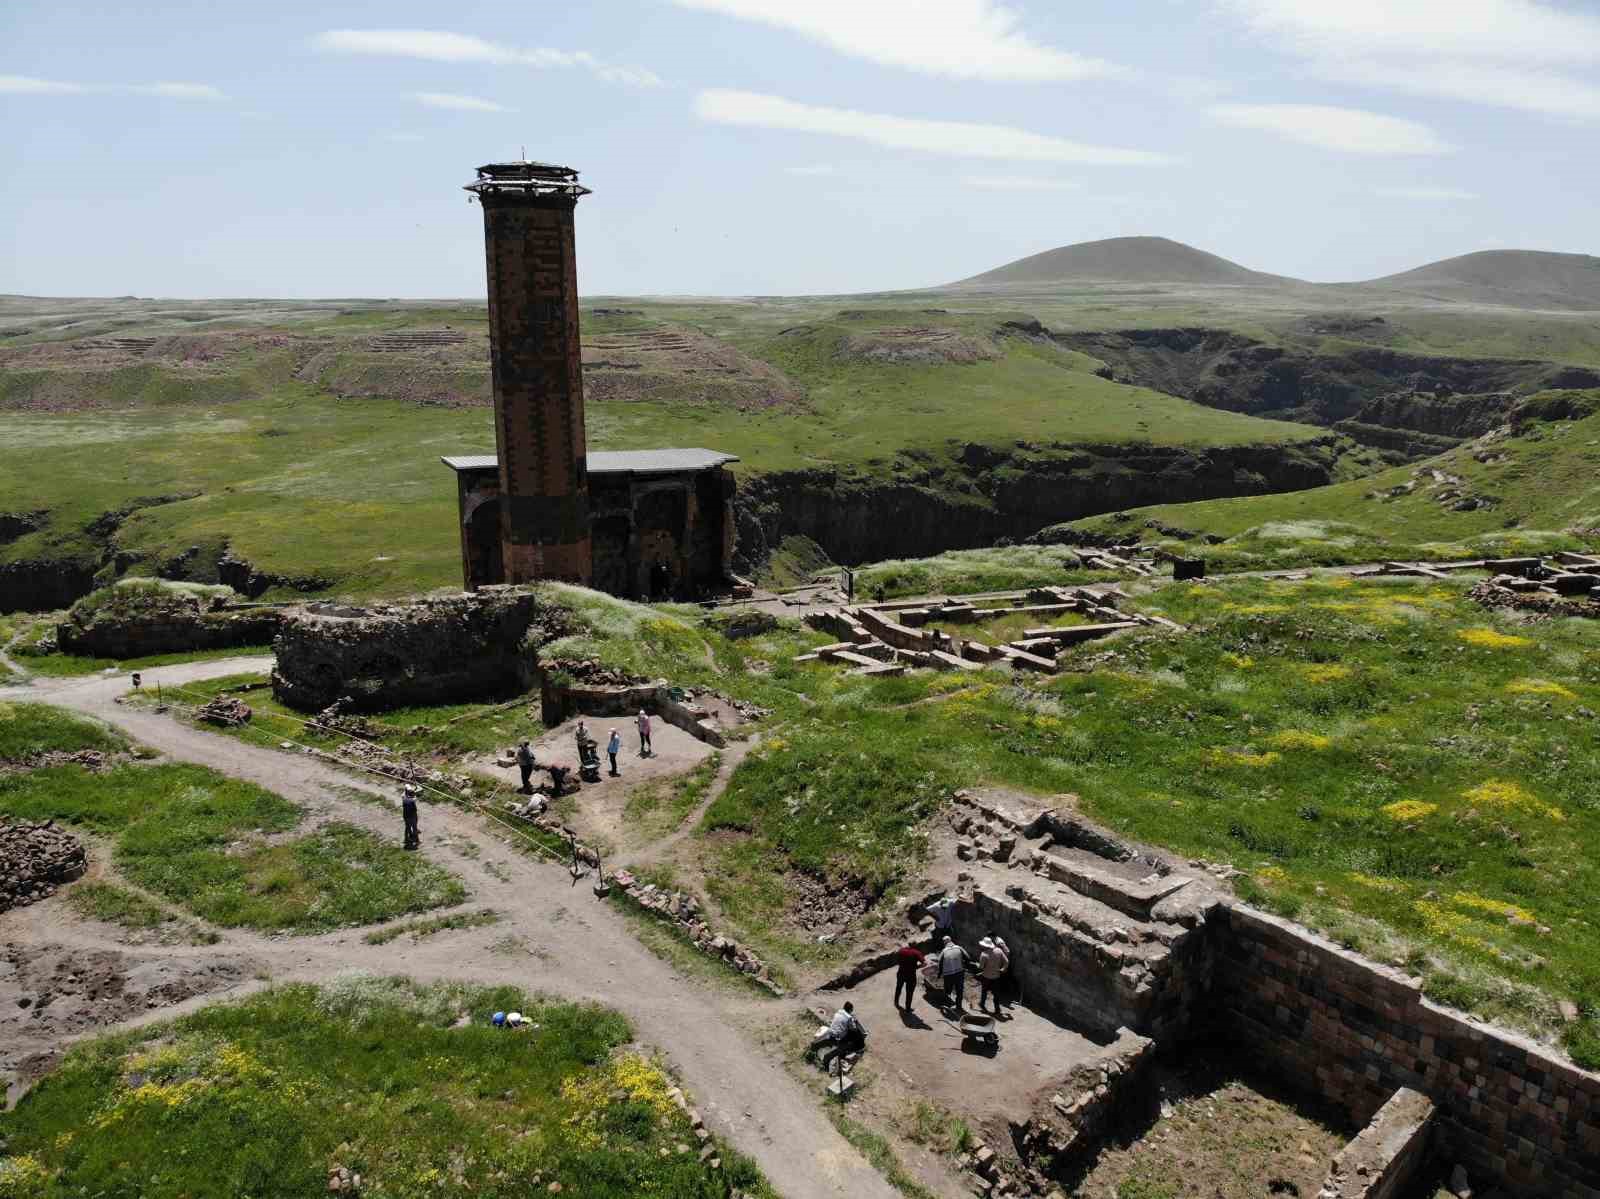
(337, 718)
(590, 672)
(225, 710)
(34, 860)
(684, 911)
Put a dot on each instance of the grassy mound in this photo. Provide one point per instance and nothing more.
(265, 1097)
(27, 729)
(1531, 489)
(212, 845)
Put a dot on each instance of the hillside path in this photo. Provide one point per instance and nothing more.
(553, 936)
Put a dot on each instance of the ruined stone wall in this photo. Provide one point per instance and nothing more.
(1090, 981)
(460, 647)
(174, 629)
(1352, 1032)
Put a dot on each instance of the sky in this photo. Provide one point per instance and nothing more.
(747, 147)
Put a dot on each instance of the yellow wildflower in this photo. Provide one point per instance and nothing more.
(1539, 687)
(1495, 907)
(1325, 672)
(1234, 757)
(1498, 793)
(1299, 739)
(1490, 639)
(1409, 809)
(1272, 874)
(1239, 661)
(1376, 884)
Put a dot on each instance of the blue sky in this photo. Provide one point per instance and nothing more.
(782, 146)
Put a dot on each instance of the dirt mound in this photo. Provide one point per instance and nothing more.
(915, 347)
(1124, 260)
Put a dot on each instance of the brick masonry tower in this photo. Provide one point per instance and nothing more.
(537, 369)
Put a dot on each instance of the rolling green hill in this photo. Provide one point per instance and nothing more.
(1532, 485)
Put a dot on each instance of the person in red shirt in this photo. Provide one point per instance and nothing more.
(907, 962)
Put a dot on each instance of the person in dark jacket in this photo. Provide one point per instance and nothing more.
(408, 812)
(907, 963)
(526, 764)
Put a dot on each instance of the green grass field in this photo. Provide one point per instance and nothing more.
(220, 849)
(252, 453)
(28, 728)
(263, 1098)
(1541, 487)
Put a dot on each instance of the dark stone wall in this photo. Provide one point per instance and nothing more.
(1351, 1032)
(472, 646)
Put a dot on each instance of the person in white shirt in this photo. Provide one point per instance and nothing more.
(953, 970)
(644, 734)
(847, 1033)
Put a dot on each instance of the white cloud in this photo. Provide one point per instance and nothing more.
(27, 85)
(1525, 55)
(180, 91)
(820, 168)
(1426, 193)
(959, 139)
(959, 39)
(1021, 183)
(1521, 30)
(440, 46)
(459, 103)
(1528, 89)
(1350, 130)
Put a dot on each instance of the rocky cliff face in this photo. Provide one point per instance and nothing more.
(984, 494)
(1370, 386)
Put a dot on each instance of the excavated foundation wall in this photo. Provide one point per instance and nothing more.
(1352, 1032)
(1085, 982)
(459, 647)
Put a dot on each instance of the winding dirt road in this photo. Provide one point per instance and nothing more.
(553, 937)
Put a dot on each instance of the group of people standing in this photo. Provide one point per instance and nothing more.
(950, 964)
(527, 763)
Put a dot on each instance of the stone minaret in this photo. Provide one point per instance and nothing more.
(537, 368)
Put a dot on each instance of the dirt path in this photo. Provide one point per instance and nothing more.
(552, 937)
(731, 757)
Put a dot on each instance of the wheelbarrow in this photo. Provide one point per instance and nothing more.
(979, 1029)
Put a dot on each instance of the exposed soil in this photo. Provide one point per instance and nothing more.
(1219, 1136)
(51, 991)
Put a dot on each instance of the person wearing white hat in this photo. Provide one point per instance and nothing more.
(992, 965)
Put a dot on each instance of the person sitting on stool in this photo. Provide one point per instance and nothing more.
(848, 1035)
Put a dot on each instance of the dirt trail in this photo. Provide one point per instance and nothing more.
(552, 937)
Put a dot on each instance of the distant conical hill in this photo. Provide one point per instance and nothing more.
(1124, 260)
(1511, 278)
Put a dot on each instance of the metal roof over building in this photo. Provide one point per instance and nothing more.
(617, 462)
